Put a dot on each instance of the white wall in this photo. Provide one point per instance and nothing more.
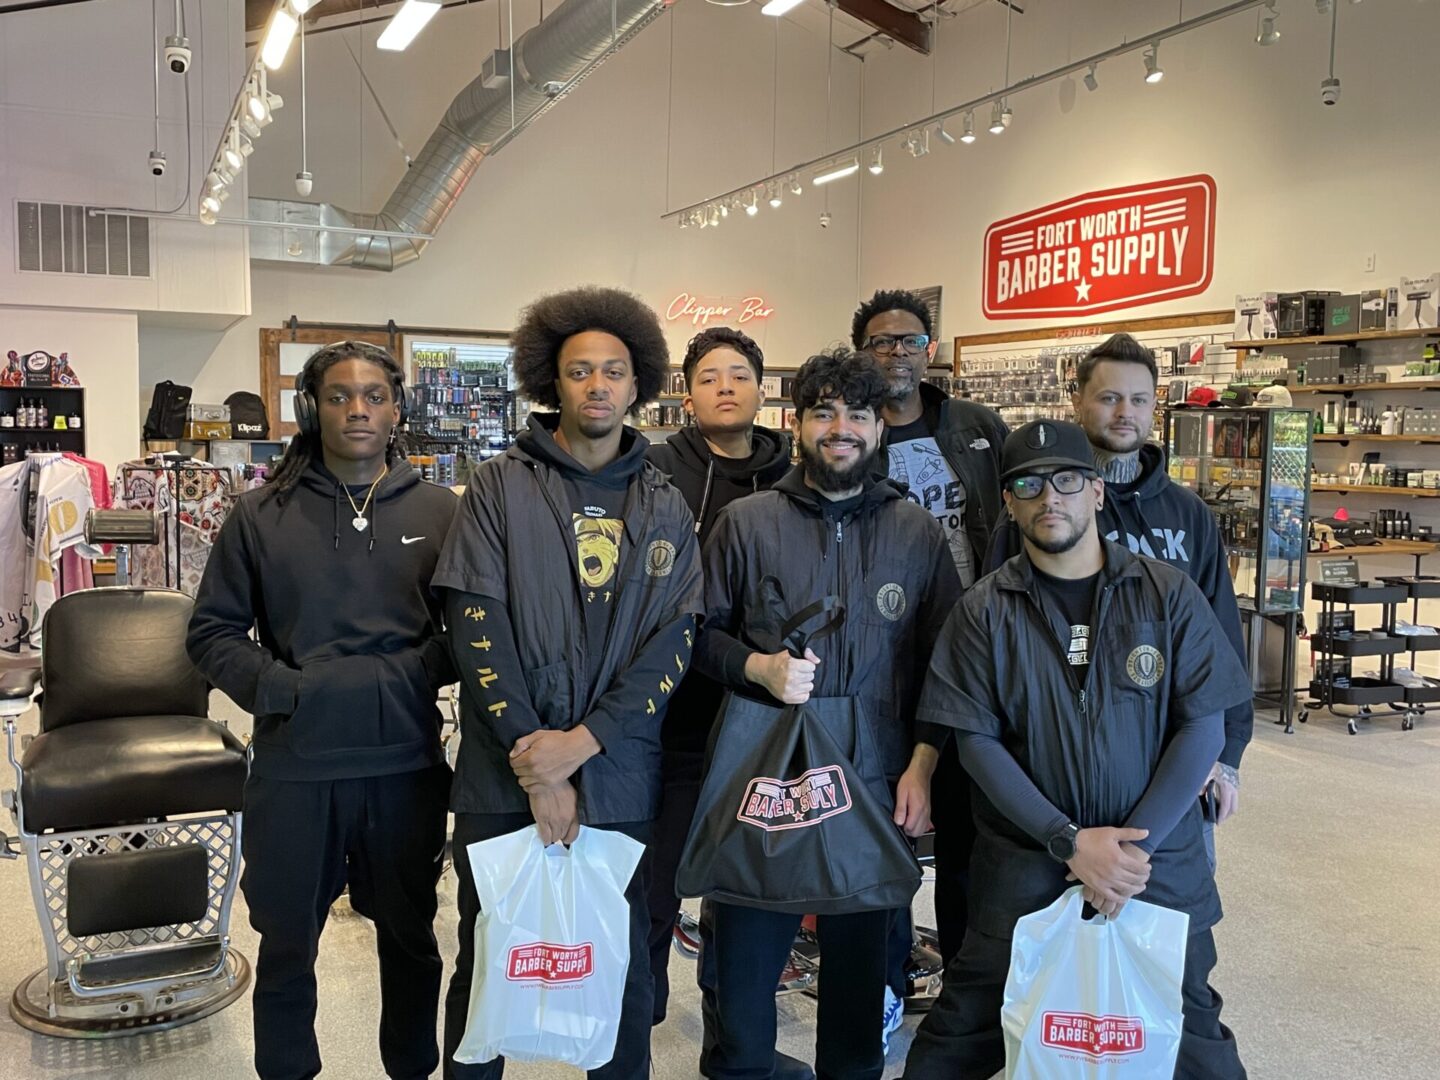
(77, 125)
(104, 349)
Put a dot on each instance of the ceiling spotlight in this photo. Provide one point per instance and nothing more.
(945, 136)
(919, 143)
(224, 173)
(968, 135)
(1091, 83)
(278, 37)
(207, 217)
(997, 121)
(714, 216)
(796, 188)
(684, 221)
(877, 161)
(753, 206)
(775, 197)
(211, 203)
(213, 181)
(1006, 116)
(724, 210)
(1153, 71)
(248, 126)
(233, 158)
(1268, 35)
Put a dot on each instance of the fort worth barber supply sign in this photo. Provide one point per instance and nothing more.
(1102, 251)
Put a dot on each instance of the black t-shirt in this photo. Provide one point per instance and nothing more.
(597, 516)
(1070, 602)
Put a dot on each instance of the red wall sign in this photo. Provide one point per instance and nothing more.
(1102, 251)
(699, 312)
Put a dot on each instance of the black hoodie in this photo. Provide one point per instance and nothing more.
(772, 554)
(351, 652)
(710, 483)
(1160, 519)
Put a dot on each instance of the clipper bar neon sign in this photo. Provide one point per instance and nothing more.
(701, 312)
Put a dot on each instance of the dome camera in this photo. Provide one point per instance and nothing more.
(177, 53)
(1330, 90)
(825, 219)
(157, 163)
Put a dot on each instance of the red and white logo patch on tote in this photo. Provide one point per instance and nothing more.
(809, 799)
(1105, 250)
(547, 963)
(1093, 1036)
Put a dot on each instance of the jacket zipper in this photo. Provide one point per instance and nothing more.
(580, 643)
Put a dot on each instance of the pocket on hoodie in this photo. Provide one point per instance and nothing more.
(358, 703)
(549, 688)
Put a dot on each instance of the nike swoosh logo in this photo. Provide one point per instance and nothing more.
(411, 539)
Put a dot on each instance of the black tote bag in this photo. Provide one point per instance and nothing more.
(794, 814)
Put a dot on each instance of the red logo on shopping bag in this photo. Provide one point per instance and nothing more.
(546, 963)
(809, 799)
(1094, 1036)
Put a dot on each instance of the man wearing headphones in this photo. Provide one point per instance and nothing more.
(330, 565)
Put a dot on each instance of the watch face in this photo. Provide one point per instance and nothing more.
(1062, 846)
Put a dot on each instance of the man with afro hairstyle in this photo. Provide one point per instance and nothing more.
(573, 583)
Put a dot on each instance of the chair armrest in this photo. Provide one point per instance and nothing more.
(17, 686)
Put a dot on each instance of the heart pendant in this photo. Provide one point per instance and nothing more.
(360, 522)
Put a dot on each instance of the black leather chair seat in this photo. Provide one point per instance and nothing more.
(110, 771)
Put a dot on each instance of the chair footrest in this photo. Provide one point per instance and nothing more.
(192, 960)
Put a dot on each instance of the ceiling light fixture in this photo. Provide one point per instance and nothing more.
(1268, 35)
(877, 161)
(1153, 71)
(997, 122)
(838, 171)
(231, 153)
(919, 143)
(207, 216)
(714, 215)
(211, 203)
(407, 23)
(278, 37)
(945, 136)
(248, 126)
(776, 199)
(1092, 83)
(753, 206)
(780, 7)
(968, 135)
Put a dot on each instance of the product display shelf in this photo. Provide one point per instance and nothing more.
(1261, 344)
(1377, 489)
(64, 401)
(1335, 685)
(1415, 440)
(1382, 548)
(1349, 388)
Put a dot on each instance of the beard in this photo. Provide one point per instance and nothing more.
(1058, 544)
(834, 479)
(594, 427)
(1118, 442)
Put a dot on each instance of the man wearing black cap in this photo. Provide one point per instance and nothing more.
(1087, 729)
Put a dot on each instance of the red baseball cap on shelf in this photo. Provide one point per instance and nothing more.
(1202, 396)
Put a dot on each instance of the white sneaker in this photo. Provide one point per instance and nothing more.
(894, 1017)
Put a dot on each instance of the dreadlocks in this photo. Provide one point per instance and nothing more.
(304, 448)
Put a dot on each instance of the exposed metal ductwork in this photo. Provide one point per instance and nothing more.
(549, 60)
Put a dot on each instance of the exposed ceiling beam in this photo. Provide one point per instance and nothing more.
(903, 26)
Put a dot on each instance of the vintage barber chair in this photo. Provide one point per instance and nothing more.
(127, 806)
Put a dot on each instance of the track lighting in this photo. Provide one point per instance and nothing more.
(945, 136)
(919, 143)
(213, 181)
(877, 162)
(714, 215)
(775, 197)
(405, 25)
(1268, 35)
(753, 206)
(1006, 116)
(211, 203)
(233, 158)
(207, 217)
(1153, 71)
(724, 210)
(838, 171)
(796, 188)
(248, 126)
(278, 37)
(968, 135)
(997, 122)
(1092, 83)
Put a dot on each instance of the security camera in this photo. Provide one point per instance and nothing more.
(304, 182)
(825, 219)
(177, 53)
(157, 163)
(1330, 90)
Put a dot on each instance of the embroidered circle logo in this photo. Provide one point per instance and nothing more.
(891, 601)
(660, 558)
(1145, 665)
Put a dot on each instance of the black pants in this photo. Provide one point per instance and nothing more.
(302, 841)
(632, 1046)
(961, 1038)
(954, 839)
(750, 948)
(683, 772)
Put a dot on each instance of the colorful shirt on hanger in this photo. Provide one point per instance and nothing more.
(203, 498)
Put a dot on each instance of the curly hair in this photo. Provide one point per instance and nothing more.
(1121, 348)
(717, 337)
(888, 300)
(840, 375)
(549, 322)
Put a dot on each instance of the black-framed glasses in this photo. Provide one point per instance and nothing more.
(884, 344)
(1065, 482)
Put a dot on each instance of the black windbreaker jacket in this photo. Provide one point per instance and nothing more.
(513, 539)
(773, 553)
(1163, 520)
(1157, 654)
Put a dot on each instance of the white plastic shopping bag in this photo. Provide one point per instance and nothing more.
(552, 946)
(1097, 1000)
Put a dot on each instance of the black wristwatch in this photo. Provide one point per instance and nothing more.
(1061, 844)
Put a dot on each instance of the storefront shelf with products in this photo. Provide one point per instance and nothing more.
(1383, 548)
(1359, 645)
(1350, 388)
(1417, 440)
(1377, 489)
(1341, 339)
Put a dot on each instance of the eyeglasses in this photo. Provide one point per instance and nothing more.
(884, 344)
(1068, 482)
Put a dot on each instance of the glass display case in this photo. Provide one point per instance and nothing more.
(1252, 468)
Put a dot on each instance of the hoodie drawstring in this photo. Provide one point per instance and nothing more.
(705, 498)
(335, 515)
(374, 514)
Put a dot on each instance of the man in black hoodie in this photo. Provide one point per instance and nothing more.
(723, 456)
(829, 527)
(1153, 516)
(574, 589)
(330, 565)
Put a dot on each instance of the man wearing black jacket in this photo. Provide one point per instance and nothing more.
(1153, 516)
(574, 588)
(721, 457)
(829, 527)
(1086, 688)
(330, 565)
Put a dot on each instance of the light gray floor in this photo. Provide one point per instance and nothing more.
(1329, 954)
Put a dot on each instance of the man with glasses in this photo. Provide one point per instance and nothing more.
(946, 452)
(1087, 689)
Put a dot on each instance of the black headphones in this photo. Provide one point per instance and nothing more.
(307, 409)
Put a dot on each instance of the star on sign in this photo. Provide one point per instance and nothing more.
(1082, 291)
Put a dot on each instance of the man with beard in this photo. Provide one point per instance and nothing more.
(723, 456)
(1086, 687)
(1156, 517)
(574, 584)
(829, 527)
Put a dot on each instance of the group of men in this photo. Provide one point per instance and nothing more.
(596, 596)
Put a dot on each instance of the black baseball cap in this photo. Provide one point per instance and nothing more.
(1046, 446)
